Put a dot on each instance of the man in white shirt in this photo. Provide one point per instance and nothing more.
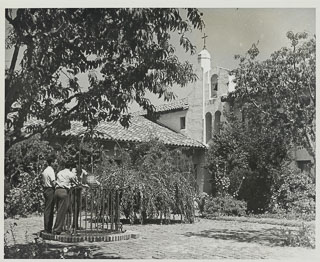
(48, 181)
(65, 179)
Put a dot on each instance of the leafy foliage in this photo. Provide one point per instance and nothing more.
(154, 181)
(25, 156)
(257, 171)
(227, 159)
(278, 94)
(295, 193)
(272, 110)
(26, 197)
(224, 206)
(24, 163)
(201, 201)
(124, 53)
(304, 237)
(245, 162)
(39, 248)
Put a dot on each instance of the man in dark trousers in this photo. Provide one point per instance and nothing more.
(48, 180)
(65, 180)
(75, 195)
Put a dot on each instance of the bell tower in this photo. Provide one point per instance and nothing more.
(204, 60)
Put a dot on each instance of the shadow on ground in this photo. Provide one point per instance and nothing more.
(269, 237)
(56, 251)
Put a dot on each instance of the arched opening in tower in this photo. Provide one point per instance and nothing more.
(208, 126)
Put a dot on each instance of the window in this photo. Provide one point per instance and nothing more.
(182, 122)
(214, 86)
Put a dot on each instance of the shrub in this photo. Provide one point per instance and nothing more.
(154, 181)
(39, 248)
(282, 214)
(244, 159)
(295, 194)
(201, 200)
(23, 165)
(304, 237)
(224, 206)
(26, 197)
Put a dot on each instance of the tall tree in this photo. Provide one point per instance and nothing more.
(246, 162)
(278, 94)
(124, 51)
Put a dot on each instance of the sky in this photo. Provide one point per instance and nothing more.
(232, 31)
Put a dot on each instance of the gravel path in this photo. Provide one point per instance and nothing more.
(205, 239)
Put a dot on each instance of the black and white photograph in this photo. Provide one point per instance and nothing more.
(159, 132)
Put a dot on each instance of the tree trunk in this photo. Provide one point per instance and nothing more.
(10, 91)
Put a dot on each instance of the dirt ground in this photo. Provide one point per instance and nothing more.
(205, 239)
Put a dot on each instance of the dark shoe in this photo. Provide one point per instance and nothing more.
(56, 233)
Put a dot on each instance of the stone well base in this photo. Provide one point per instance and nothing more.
(90, 236)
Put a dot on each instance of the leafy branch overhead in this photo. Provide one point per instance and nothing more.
(279, 93)
(124, 52)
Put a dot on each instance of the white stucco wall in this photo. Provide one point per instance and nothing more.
(172, 119)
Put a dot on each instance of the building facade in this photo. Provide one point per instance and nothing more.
(200, 114)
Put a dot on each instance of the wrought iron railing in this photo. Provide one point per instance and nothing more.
(93, 209)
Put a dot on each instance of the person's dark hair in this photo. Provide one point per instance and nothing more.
(50, 160)
(69, 165)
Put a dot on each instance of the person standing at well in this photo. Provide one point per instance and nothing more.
(65, 179)
(76, 195)
(49, 181)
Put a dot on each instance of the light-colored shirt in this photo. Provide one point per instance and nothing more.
(66, 178)
(48, 177)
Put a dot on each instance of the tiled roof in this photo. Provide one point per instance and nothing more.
(140, 130)
(181, 104)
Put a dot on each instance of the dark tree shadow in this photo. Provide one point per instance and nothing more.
(268, 237)
(155, 221)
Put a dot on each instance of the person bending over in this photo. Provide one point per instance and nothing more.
(65, 179)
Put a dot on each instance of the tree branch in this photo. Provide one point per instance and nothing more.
(43, 128)
(9, 89)
(14, 59)
(68, 100)
(310, 92)
(55, 31)
(10, 20)
(65, 74)
(254, 103)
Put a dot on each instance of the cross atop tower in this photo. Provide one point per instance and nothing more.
(204, 40)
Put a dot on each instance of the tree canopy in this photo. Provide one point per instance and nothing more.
(245, 162)
(272, 110)
(125, 52)
(278, 94)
